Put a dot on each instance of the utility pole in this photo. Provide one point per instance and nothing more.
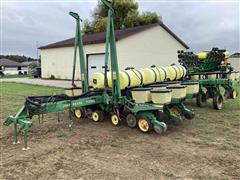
(37, 50)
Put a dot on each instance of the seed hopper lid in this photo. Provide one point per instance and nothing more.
(141, 89)
(171, 82)
(176, 87)
(161, 91)
(158, 85)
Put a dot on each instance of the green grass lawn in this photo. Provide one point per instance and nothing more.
(13, 95)
(15, 76)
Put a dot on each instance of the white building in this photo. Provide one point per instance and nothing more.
(11, 67)
(234, 59)
(137, 47)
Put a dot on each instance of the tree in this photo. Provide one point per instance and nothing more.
(88, 27)
(149, 18)
(126, 15)
(100, 25)
(133, 19)
(17, 58)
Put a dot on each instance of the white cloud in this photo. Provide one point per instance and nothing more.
(201, 25)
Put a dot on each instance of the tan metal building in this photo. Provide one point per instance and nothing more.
(137, 47)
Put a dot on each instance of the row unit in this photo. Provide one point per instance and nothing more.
(164, 93)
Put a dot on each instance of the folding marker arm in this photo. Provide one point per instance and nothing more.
(111, 43)
(79, 46)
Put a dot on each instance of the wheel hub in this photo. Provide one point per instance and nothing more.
(143, 125)
(78, 113)
(95, 116)
(115, 119)
(234, 94)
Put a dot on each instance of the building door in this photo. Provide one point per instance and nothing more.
(95, 63)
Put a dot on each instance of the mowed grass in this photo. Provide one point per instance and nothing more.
(15, 76)
(12, 95)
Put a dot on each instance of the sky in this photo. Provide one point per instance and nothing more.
(28, 24)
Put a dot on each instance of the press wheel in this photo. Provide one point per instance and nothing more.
(227, 93)
(161, 128)
(217, 101)
(131, 120)
(189, 115)
(201, 99)
(97, 116)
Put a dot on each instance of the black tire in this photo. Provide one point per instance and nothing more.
(176, 120)
(189, 115)
(209, 94)
(201, 99)
(161, 128)
(131, 120)
(162, 116)
(89, 113)
(158, 129)
(217, 101)
(227, 93)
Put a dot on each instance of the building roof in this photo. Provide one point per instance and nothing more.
(27, 63)
(96, 38)
(235, 55)
(10, 63)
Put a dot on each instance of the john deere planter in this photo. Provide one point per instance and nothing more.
(212, 71)
(126, 95)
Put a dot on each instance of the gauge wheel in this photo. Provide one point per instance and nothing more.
(176, 120)
(161, 115)
(79, 113)
(217, 101)
(131, 120)
(227, 93)
(161, 128)
(115, 120)
(144, 123)
(97, 116)
(233, 94)
(189, 115)
(209, 94)
(201, 99)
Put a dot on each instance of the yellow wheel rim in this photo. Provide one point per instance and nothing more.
(234, 94)
(175, 111)
(95, 116)
(78, 113)
(115, 120)
(143, 125)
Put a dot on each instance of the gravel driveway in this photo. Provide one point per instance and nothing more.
(44, 82)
